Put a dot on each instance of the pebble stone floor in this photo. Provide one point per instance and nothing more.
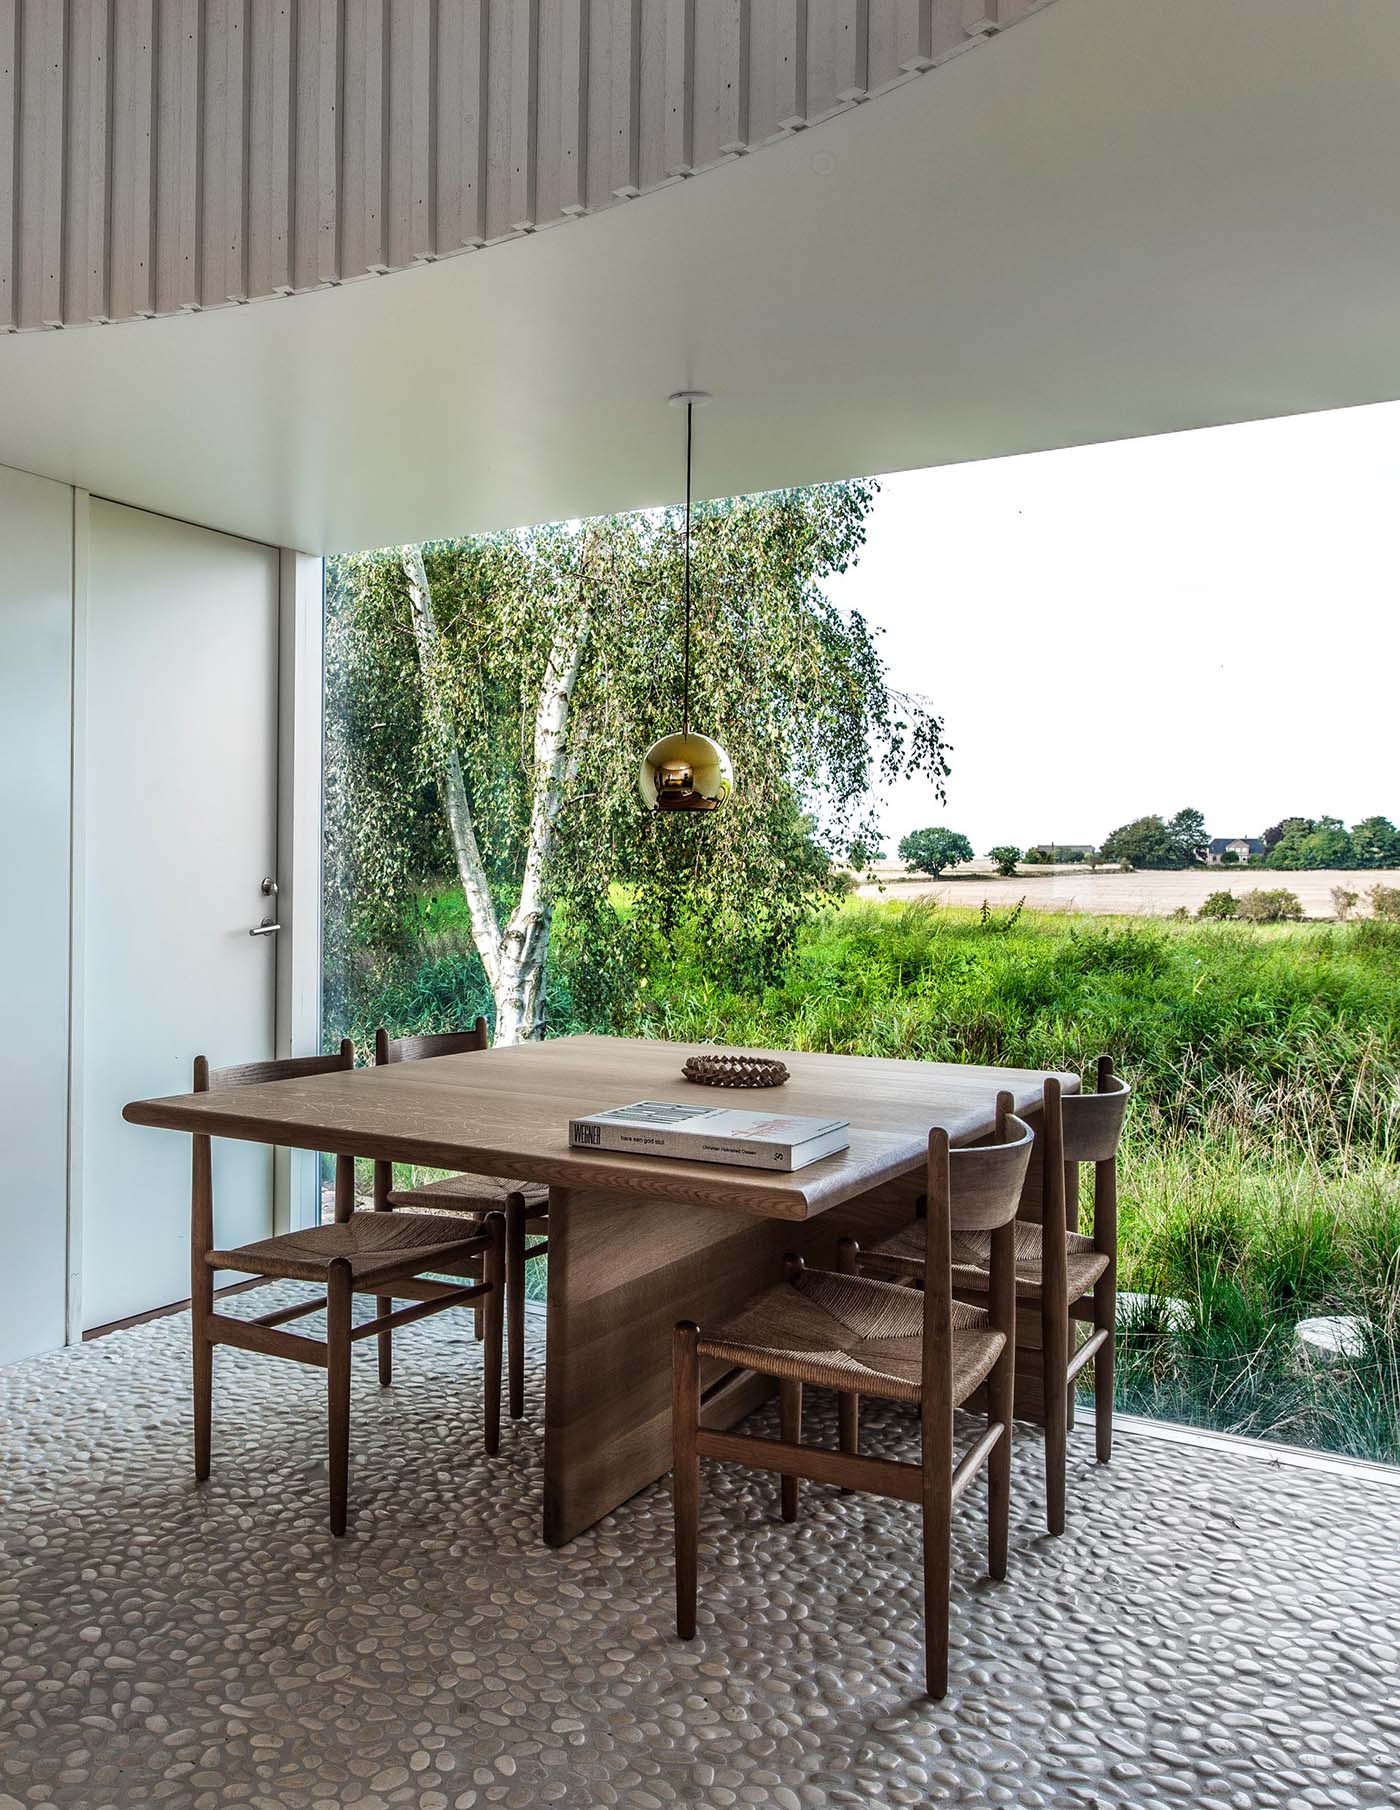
(1215, 1631)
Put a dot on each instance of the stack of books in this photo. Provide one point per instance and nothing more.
(711, 1134)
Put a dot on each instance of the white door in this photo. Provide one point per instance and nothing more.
(178, 801)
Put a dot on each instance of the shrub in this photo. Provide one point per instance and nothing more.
(1385, 903)
(1343, 903)
(1269, 905)
(1218, 905)
(1230, 858)
(1005, 857)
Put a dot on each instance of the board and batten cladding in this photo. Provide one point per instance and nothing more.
(161, 155)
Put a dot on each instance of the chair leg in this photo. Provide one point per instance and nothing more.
(515, 1304)
(1054, 1334)
(848, 1406)
(1001, 1392)
(384, 1304)
(1105, 1319)
(790, 1427)
(938, 1554)
(848, 1416)
(338, 1300)
(201, 1287)
(493, 1314)
(685, 1469)
(203, 1400)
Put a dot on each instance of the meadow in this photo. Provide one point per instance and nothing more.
(1261, 1168)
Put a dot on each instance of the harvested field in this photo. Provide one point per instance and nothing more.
(1109, 894)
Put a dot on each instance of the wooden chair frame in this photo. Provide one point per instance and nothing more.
(976, 1188)
(1077, 1128)
(519, 1214)
(264, 1333)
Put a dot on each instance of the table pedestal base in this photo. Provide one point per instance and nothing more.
(622, 1271)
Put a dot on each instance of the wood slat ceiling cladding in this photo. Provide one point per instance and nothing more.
(164, 155)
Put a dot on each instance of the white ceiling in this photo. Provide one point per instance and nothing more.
(1124, 217)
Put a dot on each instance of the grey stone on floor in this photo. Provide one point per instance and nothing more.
(1215, 1631)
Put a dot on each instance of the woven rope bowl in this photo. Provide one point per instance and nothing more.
(735, 1071)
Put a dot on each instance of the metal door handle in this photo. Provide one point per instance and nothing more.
(266, 928)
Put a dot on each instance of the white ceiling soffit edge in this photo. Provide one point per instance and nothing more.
(1116, 220)
(204, 156)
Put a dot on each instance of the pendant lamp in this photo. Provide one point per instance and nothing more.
(685, 771)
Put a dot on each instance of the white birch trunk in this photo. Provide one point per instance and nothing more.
(480, 905)
(513, 957)
(524, 944)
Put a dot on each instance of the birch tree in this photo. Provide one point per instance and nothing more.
(512, 951)
(489, 701)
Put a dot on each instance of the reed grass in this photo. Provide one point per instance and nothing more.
(1261, 1170)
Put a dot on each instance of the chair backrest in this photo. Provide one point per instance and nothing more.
(973, 1189)
(248, 1074)
(439, 1043)
(1080, 1128)
(1093, 1123)
(985, 1180)
(418, 1049)
(286, 1068)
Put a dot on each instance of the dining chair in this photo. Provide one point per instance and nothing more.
(847, 1332)
(357, 1254)
(524, 1204)
(1063, 1274)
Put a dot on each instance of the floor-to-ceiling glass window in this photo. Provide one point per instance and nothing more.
(1086, 752)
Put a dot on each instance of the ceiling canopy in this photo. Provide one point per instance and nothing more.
(1114, 220)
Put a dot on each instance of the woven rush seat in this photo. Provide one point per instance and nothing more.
(474, 1194)
(375, 1245)
(972, 1258)
(851, 1333)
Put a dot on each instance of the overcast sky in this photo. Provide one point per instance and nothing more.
(1206, 619)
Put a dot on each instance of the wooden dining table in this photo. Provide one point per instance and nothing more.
(635, 1243)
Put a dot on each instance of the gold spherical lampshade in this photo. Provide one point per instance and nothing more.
(685, 772)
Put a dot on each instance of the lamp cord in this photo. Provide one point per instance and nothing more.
(685, 682)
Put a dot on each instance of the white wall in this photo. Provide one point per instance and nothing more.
(36, 614)
(46, 960)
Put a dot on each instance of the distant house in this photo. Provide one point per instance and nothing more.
(1244, 849)
(1059, 852)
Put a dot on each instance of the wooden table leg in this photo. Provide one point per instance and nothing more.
(622, 1271)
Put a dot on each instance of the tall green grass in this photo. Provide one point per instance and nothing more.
(1260, 1179)
(1261, 1170)
(1257, 1021)
(1232, 1239)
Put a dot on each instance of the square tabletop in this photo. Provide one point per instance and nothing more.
(506, 1112)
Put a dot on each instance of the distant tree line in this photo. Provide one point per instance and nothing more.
(1299, 842)
(1181, 841)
